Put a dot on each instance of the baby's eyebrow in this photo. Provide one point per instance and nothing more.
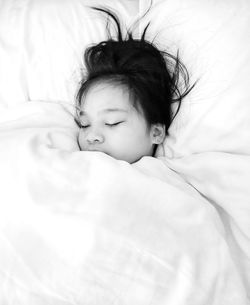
(114, 110)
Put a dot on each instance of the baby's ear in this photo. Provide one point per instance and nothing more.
(158, 133)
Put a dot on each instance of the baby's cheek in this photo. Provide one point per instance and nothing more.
(121, 143)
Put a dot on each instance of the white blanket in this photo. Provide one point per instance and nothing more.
(83, 228)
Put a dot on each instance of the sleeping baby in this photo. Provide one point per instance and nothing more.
(124, 101)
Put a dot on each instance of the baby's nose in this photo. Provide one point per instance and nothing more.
(95, 137)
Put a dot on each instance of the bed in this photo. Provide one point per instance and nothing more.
(83, 228)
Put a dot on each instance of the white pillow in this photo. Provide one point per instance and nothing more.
(213, 38)
(42, 45)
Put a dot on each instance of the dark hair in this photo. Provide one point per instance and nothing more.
(153, 77)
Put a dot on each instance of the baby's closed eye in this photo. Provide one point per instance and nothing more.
(114, 124)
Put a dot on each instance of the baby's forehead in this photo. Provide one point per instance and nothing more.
(104, 111)
(104, 98)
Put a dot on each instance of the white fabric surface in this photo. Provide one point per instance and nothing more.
(84, 228)
(213, 38)
(171, 231)
(42, 44)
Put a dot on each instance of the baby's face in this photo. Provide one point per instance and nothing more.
(111, 124)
